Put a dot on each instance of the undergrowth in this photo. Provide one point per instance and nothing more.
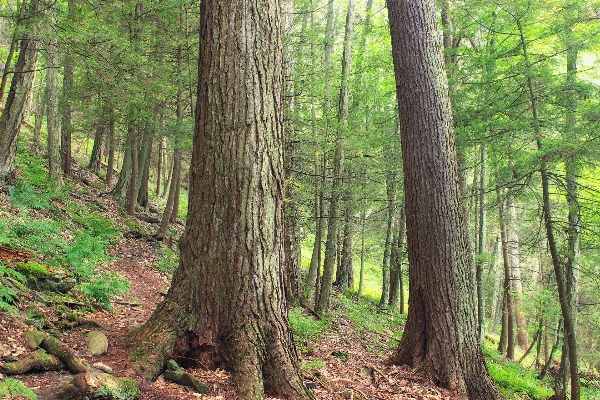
(514, 381)
(13, 388)
(59, 233)
(8, 295)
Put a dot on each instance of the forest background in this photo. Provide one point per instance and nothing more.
(113, 84)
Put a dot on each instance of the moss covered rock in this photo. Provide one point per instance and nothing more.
(98, 343)
(98, 385)
(41, 277)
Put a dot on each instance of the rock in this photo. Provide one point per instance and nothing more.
(1, 377)
(103, 367)
(98, 385)
(98, 343)
(34, 338)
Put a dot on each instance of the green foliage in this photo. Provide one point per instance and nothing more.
(311, 366)
(13, 388)
(98, 226)
(590, 393)
(513, 380)
(8, 295)
(306, 328)
(168, 261)
(366, 317)
(85, 253)
(105, 285)
(25, 195)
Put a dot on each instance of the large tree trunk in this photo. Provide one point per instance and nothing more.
(12, 116)
(227, 300)
(440, 335)
(13, 46)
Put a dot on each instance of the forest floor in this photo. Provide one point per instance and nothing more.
(342, 363)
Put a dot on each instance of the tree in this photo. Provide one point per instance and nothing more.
(440, 336)
(20, 88)
(227, 301)
(324, 298)
(52, 109)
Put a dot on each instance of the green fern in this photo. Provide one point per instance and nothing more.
(13, 388)
(8, 296)
(104, 286)
(25, 195)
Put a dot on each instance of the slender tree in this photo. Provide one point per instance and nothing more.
(12, 115)
(440, 336)
(324, 297)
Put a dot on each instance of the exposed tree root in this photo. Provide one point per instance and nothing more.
(36, 361)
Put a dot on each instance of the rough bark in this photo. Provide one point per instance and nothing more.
(440, 336)
(227, 300)
(40, 110)
(159, 165)
(13, 46)
(12, 115)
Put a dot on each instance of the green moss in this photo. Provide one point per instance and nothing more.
(119, 389)
(312, 366)
(32, 269)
